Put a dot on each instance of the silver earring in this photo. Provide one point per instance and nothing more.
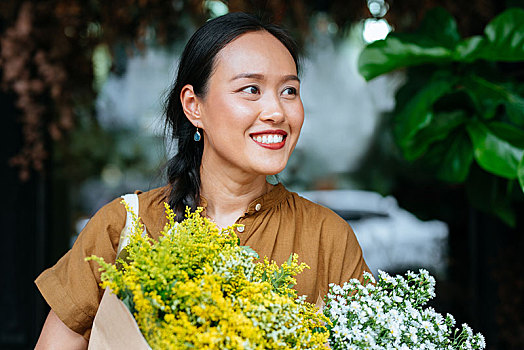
(197, 137)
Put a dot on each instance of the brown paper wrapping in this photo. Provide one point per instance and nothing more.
(115, 328)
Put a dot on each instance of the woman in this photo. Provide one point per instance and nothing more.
(236, 113)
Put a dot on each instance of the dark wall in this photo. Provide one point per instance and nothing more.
(23, 241)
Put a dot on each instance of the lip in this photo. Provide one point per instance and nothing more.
(273, 146)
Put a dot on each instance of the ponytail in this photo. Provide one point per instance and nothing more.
(183, 173)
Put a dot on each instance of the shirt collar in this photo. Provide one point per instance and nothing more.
(262, 203)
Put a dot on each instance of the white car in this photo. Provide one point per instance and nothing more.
(392, 239)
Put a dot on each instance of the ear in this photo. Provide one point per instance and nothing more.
(191, 105)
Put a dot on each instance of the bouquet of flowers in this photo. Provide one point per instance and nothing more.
(196, 287)
(389, 314)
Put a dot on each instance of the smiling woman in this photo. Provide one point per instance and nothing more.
(236, 114)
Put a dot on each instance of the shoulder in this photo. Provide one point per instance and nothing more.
(151, 208)
(317, 215)
(112, 216)
(155, 196)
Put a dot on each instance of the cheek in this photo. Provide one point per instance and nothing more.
(226, 110)
(296, 116)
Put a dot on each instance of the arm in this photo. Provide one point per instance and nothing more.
(56, 335)
(71, 287)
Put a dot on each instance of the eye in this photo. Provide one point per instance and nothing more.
(290, 91)
(251, 89)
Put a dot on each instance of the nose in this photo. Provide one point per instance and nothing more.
(272, 110)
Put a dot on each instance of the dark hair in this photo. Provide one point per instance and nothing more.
(195, 68)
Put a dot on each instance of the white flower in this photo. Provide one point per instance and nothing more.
(397, 299)
(480, 340)
(389, 315)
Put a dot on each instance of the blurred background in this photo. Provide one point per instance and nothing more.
(417, 140)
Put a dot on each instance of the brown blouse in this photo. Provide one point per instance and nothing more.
(275, 225)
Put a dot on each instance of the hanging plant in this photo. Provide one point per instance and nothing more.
(47, 53)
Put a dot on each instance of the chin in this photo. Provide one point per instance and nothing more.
(265, 165)
(272, 170)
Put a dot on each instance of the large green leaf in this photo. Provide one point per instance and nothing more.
(520, 173)
(440, 27)
(417, 113)
(395, 52)
(451, 159)
(493, 153)
(434, 42)
(503, 40)
(468, 49)
(439, 128)
(437, 41)
(487, 96)
(457, 160)
(505, 35)
(509, 133)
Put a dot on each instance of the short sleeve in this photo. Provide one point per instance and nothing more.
(71, 286)
(353, 264)
(346, 260)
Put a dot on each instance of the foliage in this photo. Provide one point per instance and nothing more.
(197, 288)
(49, 48)
(48, 51)
(461, 102)
(389, 314)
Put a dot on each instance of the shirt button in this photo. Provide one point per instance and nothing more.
(240, 229)
(258, 206)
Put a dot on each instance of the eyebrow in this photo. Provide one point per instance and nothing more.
(258, 76)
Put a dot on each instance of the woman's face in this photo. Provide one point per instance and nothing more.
(252, 112)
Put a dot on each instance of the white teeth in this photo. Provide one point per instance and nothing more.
(269, 139)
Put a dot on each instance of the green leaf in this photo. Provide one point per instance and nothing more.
(439, 26)
(505, 35)
(467, 50)
(434, 42)
(506, 213)
(520, 173)
(395, 52)
(493, 153)
(417, 113)
(489, 194)
(441, 125)
(437, 41)
(503, 39)
(487, 96)
(507, 132)
(127, 299)
(515, 109)
(451, 158)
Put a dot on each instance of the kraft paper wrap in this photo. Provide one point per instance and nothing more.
(115, 328)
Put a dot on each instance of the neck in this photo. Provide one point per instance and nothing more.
(228, 195)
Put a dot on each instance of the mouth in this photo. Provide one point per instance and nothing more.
(272, 139)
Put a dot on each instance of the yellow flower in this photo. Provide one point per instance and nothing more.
(197, 288)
